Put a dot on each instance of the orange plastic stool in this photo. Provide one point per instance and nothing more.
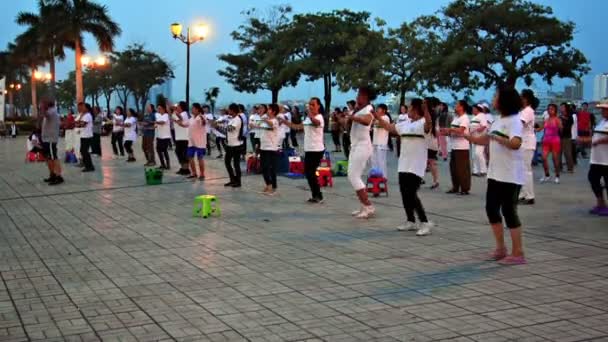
(325, 177)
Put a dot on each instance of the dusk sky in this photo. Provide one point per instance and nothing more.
(148, 22)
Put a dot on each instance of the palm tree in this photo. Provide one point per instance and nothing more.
(211, 97)
(27, 52)
(49, 33)
(85, 16)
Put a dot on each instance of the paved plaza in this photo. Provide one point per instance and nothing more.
(105, 257)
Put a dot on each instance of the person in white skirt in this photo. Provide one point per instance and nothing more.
(479, 125)
(380, 140)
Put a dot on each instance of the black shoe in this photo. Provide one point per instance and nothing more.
(191, 176)
(50, 179)
(527, 201)
(463, 193)
(451, 191)
(220, 156)
(228, 184)
(236, 185)
(88, 169)
(56, 181)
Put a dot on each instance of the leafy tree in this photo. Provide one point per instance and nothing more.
(211, 96)
(78, 17)
(485, 43)
(340, 47)
(137, 70)
(263, 63)
(66, 95)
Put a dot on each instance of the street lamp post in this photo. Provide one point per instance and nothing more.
(12, 88)
(200, 33)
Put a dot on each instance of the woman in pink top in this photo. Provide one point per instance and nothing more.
(197, 142)
(551, 142)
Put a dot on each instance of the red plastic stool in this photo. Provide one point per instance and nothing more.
(325, 177)
(377, 185)
(296, 167)
(31, 157)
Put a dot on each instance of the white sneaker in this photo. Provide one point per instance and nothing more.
(425, 229)
(544, 179)
(357, 212)
(409, 226)
(556, 180)
(366, 212)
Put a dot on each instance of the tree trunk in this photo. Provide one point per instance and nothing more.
(511, 81)
(327, 98)
(108, 98)
(53, 78)
(401, 98)
(34, 95)
(79, 88)
(275, 95)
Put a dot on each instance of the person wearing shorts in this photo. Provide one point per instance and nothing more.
(50, 136)
(197, 142)
(551, 142)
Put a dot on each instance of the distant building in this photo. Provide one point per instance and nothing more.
(574, 92)
(164, 89)
(600, 87)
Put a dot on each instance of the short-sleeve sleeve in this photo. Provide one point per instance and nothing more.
(516, 129)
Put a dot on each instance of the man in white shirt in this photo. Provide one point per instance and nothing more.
(181, 123)
(361, 150)
(235, 144)
(85, 123)
(460, 161)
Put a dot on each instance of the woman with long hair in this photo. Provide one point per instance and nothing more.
(412, 163)
(314, 146)
(551, 142)
(506, 175)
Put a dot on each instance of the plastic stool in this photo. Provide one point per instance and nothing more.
(377, 185)
(296, 167)
(342, 168)
(324, 177)
(205, 206)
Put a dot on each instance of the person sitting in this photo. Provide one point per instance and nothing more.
(33, 143)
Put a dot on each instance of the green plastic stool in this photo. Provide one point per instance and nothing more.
(205, 206)
(341, 168)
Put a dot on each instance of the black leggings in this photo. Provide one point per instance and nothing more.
(270, 165)
(161, 148)
(220, 142)
(596, 173)
(286, 141)
(335, 136)
(502, 196)
(346, 144)
(129, 146)
(117, 143)
(409, 184)
(181, 151)
(294, 138)
(312, 160)
(232, 160)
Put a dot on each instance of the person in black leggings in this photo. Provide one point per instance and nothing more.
(162, 143)
(598, 168)
(268, 130)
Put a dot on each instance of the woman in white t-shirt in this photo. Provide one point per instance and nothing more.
(432, 143)
(412, 164)
(479, 125)
(506, 175)
(460, 161)
(268, 132)
(314, 145)
(380, 140)
(361, 149)
(130, 134)
(598, 168)
(163, 136)
(118, 132)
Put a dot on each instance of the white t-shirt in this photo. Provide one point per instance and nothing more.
(31, 142)
(87, 130)
(313, 135)
(163, 131)
(269, 136)
(117, 120)
(431, 140)
(403, 117)
(414, 153)
(234, 128)
(478, 121)
(287, 116)
(458, 142)
(380, 134)
(181, 133)
(574, 129)
(529, 138)
(359, 134)
(489, 120)
(507, 165)
(131, 132)
(222, 121)
(599, 153)
(254, 121)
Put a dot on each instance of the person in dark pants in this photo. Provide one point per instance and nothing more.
(460, 161)
(118, 132)
(235, 143)
(567, 117)
(268, 130)
(314, 146)
(147, 144)
(598, 168)
(296, 118)
(181, 120)
(163, 136)
(346, 127)
(335, 129)
(85, 123)
(97, 127)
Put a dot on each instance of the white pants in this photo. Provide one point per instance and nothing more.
(69, 139)
(527, 191)
(76, 145)
(357, 162)
(479, 159)
(379, 158)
